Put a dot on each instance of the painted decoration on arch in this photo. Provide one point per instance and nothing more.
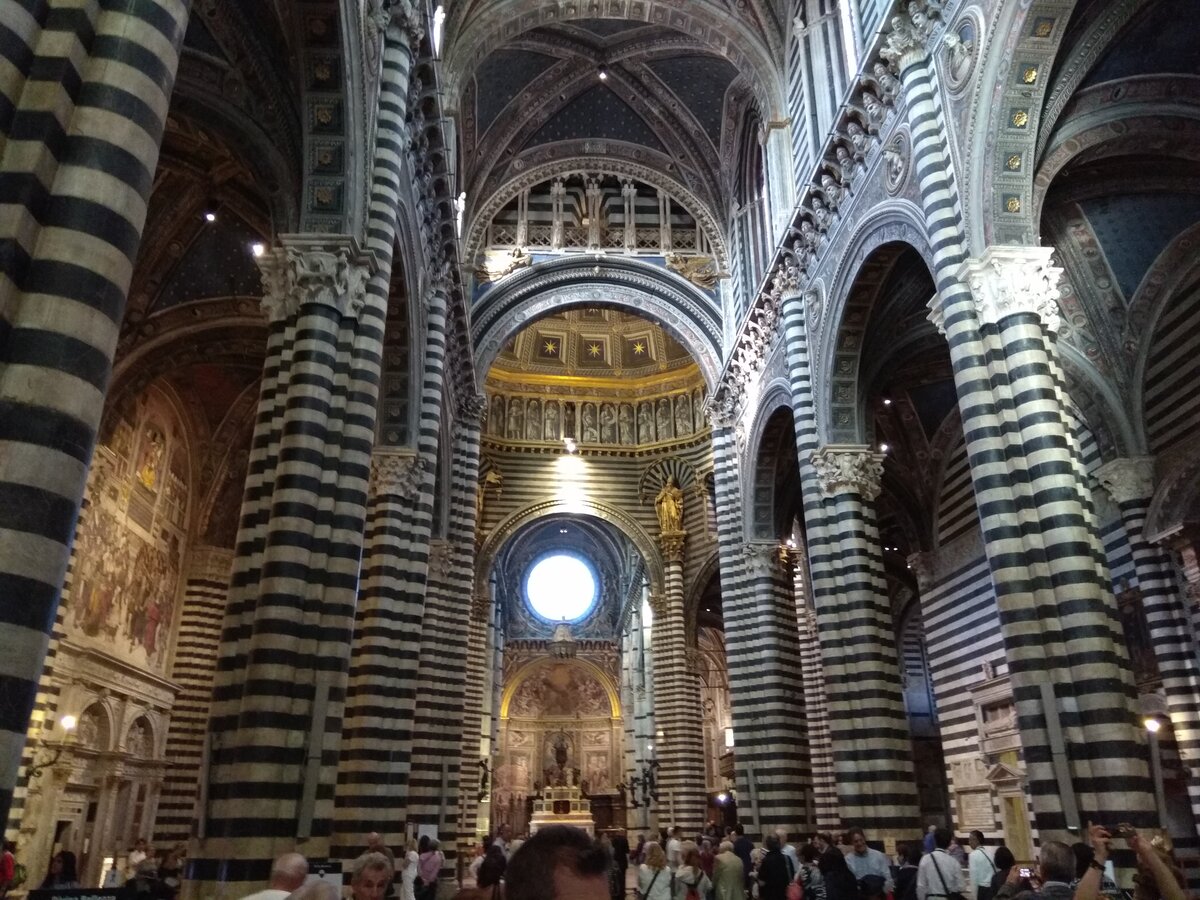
(560, 689)
(127, 555)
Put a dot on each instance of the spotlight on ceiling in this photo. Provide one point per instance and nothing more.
(569, 444)
(210, 210)
(887, 401)
(258, 249)
(562, 531)
(603, 73)
(1152, 724)
(883, 448)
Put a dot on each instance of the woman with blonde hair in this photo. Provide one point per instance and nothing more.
(654, 878)
(408, 872)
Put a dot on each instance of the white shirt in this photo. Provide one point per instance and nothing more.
(662, 883)
(929, 884)
(268, 894)
(981, 867)
(408, 875)
(673, 853)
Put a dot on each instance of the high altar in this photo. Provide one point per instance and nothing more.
(561, 806)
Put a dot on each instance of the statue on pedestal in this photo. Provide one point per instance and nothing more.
(669, 506)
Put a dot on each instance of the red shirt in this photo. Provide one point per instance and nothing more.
(8, 867)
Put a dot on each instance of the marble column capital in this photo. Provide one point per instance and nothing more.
(1128, 479)
(658, 605)
(906, 44)
(672, 543)
(396, 472)
(1007, 280)
(849, 468)
(207, 563)
(765, 558)
(325, 270)
(922, 565)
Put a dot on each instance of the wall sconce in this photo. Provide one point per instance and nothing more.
(38, 766)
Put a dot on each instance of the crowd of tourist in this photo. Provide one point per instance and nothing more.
(564, 863)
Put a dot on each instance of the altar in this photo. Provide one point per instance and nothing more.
(563, 805)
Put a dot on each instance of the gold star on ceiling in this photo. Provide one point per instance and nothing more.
(551, 347)
(639, 348)
(594, 350)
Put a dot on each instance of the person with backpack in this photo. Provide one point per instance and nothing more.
(654, 878)
(690, 881)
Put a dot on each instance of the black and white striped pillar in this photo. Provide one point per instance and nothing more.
(872, 747)
(678, 715)
(85, 93)
(1130, 481)
(285, 644)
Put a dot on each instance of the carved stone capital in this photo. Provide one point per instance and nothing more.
(481, 606)
(326, 270)
(439, 559)
(852, 468)
(692, 658)
(658, 605)
(1007, 280)
(1128, 479)
(405, 22)
(396, 472)
(763, 558)
(672, 543)
(937, 315)
(922, 566)
(470, 408)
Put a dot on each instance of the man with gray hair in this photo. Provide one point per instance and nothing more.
(1056, 871)
(287, 873)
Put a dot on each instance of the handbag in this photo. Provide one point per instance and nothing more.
(957, 895)
(795, 891)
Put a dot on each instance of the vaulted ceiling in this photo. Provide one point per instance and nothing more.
(677, 81)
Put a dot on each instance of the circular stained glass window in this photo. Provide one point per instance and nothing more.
(561, 587)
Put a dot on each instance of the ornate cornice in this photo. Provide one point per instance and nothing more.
(849, 468)
(1007, 280)
(1129, 479)
(324, 270)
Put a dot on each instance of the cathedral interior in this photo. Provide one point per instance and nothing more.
(423, 417)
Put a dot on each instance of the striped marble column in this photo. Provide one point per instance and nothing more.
(677, 711)
(438, 723)
(474, 744)
(872, 748)
(84, 92)
(193, 669)
(1130, 481)
(380, 696)
(1015, 293)
(819, 551)
(285, 644)
(1019, 539)
(816, 711)
(767, 693)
